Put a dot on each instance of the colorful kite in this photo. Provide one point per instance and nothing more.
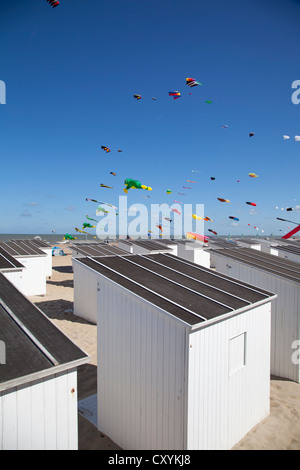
(224, 126)
(101, 209)
(175, 94)
(212, 231)
(186, 187)
(223, 200)
(160, 227)
(89, 218)
(53, 3)
(105, 186)
(251, 203)
(196, 217)
(175, 210)
(169, 191)
(197, 236)
(101, 202)
(69, 237)
(168, 219)
(107, 149)
(233, 218)
(120, 150)
(87, 225)
(135, 184)
(191, 82)
(137, 97)
(81, 231)
(208, 101)
(112, 173)
(190, 181)
(253, 175)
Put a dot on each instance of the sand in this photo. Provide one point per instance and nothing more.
(279, 431)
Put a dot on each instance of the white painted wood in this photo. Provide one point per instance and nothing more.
(85, 292)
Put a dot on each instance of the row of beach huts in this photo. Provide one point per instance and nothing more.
(187, 339)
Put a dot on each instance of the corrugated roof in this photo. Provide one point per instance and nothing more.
(33, 343)
(8, 262)
(17, 248)
(289, 248)
(188, 291)
(273, 264)
(101, 249)
(32, 242)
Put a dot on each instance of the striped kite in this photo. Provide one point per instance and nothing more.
(175, 94)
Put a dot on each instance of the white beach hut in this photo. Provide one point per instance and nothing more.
(282, 277)
(34, 261)
(38, 378)
(140, 247)
(249, 243)
(193, 251)
(183, 353)
(43, 246)
(85, 283)
(286, 251)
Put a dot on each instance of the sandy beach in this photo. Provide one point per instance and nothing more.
(279, 431)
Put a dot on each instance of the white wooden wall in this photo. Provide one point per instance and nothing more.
(85, 292)
(16, 278)
(226, 398)
(285, 312)
(41, 415)
(141, 372)
(34, 275)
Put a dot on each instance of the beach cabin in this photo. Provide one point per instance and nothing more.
(43, 246)
(291, 252)
(11, 269)
(34, 261)
(141, 247)
(94, 249)
(277, 275)
(85, 283)
(183, 353)
(38, 377)
(248, 243)
(193, 251)
(172, 245)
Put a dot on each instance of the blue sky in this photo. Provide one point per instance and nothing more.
(70, 76)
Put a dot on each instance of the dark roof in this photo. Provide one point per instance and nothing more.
(97, 249)
(273, 264)
(222, 242)
(151, 245)
(289, 248)
(8, 262)
(33, 343)
(187, 291)
(17, 248)
(166, 241)
(32, 242)
(247, 241)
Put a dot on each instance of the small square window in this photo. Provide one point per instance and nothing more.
(237, 353)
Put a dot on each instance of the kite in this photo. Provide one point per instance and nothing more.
(197, 236)
(112, 173)
(207, 218)
(105, 186)
(233, 218)
(178, 202)
(190, 181)
(81, 231)
(107, 149)
(196, 217)
(196, 171)
(86, 225)
(153, 98)
(192, 82)
(91, 219)
(160, 227)
(69, 237)
(169, 191)
(182, 194)
(212, 231)
(120, 150)
(212, 178)
(224, 126)
(286, 137)
(146, 197)
(175, 210)
(208, 101)
(175, 94)
(101, 209)
(251, 134)
(101, 202)
(53, 3)
(137, 97)
(253, 175)
(168, 219)
(297, 138)
(222, 200)
(251, 203)
(130, 183)
(186, 187)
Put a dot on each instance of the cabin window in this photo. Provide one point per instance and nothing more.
(237, 353)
